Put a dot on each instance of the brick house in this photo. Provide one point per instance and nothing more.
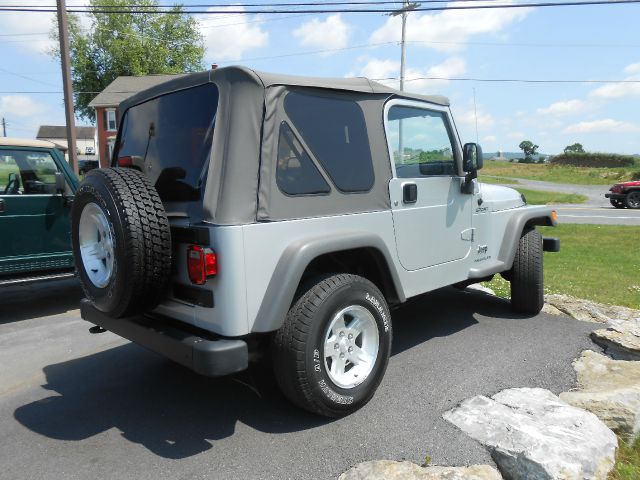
(106, 106)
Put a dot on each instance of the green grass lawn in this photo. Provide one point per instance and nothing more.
(559, 173)
(498, 180)
(596, 262)
(537, 197)
(627, 461)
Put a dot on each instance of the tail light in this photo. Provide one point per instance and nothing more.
(125, 161)
(202, 263)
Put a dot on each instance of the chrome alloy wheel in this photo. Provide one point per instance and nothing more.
(96, 245)
(351, 346)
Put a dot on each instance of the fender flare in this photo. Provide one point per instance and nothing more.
(539, 215)
(293, 262)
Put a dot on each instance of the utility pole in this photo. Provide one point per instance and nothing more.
(63, 33)
(404, 11)
(4, 127)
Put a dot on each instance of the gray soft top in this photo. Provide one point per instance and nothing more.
(241, 184)
(264, 80)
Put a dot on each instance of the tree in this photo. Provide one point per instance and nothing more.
(529, 149)
(128, 44)
(575, 148)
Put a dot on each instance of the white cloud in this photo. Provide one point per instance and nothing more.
(328, 34)
(416, 79)
(448, 30)
(606, 125)
(233, 36)
(468, 119)
(617, 90)
(612, 91)
(568, 107)
(517, 135)
(489, 139)
(633, 68)
(20, 23)
(20, 106)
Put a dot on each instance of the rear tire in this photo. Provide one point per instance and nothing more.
(304, 349)
(633, 199)
(527, 274)
(121, 241)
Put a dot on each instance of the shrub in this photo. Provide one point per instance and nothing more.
(597, 160)
(635, 175)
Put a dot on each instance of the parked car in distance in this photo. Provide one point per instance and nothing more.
(36, 189)
(85, 166)
(625, 194)
(90, 151)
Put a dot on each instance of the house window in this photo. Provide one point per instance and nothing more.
(111, 121)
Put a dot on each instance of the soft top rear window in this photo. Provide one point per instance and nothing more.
(169, 138)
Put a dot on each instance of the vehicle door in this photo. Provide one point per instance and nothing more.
(431, 215)
(34, 211)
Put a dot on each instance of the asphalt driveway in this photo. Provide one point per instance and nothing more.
(75, 405)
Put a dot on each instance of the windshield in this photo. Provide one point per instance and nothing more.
(169, 138)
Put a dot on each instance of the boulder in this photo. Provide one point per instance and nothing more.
(390, 470)
(589, 311)
(610, 389)
(621, 340)
(533, 435)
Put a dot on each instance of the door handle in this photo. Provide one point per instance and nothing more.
(1, 205)
(409, 193)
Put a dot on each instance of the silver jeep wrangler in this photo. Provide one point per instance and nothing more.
(248, 212)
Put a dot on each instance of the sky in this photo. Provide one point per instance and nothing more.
(581, 43)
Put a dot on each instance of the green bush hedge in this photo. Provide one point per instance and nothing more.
(598, 160)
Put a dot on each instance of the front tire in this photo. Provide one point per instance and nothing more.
(617, 203)
(633, 199)
(332, 351)
(527, 274)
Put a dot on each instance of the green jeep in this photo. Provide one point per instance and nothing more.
(36, 190)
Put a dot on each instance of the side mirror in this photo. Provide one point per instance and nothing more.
(472, 159)
(60, 182)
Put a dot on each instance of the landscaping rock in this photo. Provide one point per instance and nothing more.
(621, 340)
(532, 434)
(589, 311)
(390, 470)
(610, 389)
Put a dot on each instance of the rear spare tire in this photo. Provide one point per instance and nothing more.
(527, 280)
(121, 241)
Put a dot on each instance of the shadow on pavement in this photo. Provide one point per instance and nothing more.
(22, 302)
(176, 413)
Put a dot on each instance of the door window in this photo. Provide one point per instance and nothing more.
(420, 141)
(27, 172)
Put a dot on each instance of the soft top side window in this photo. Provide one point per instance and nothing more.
(334, 129)
(296, 174)
(420, 141)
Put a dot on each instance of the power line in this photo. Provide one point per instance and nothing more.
(451, 79)
(163, 10)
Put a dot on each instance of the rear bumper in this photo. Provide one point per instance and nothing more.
(615, 196)
(211, 357)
